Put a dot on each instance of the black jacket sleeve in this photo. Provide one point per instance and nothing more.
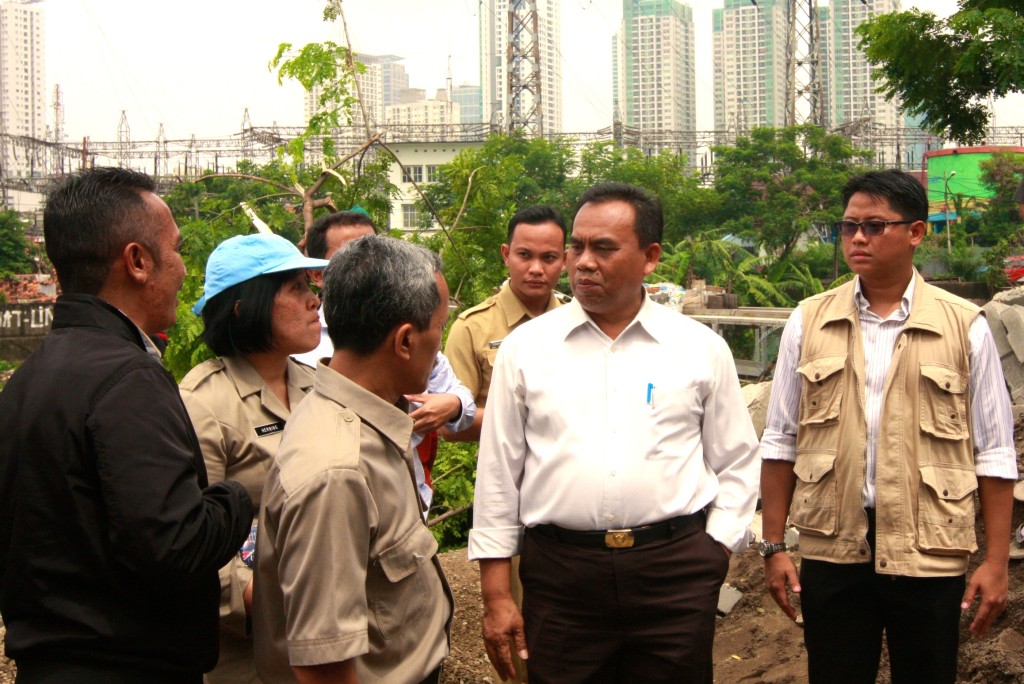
(162, 524)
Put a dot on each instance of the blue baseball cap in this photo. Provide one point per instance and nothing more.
(243, 257)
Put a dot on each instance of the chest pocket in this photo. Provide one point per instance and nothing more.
(944, 401)
(822, 392)
(401, 595)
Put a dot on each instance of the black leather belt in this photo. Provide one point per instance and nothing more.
(624, 538)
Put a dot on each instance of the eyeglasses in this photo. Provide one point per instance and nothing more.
(869, 228)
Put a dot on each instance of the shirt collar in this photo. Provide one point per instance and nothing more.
(390, 420)
(646, 320)
(513, 308)
(904, 310)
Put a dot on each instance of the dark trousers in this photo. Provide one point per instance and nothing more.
(847, 608)
(639, 615)
(48, 672)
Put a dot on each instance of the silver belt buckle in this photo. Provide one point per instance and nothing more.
(618, 539)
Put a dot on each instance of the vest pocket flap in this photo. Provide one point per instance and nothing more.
(822, 367)
(949, 484)
(946, 378)
(404, 558)
(813, 467)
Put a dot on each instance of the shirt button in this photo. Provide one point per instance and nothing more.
(609, 516)
(882, 564)
(611, 474)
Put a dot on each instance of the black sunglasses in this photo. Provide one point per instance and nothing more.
(869, 228)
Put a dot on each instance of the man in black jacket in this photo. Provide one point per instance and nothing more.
(110, 538)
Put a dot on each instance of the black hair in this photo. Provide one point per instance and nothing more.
(316, 238)
(249, 330)
(537, 214)
(905, 194)
(87, 221)
(648, 222)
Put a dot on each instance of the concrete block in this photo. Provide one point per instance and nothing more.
(1012, 296)
(995, 324)
(1010, 642)
(756, 397)
(728, 597)
(1013, 319)
(792, 539)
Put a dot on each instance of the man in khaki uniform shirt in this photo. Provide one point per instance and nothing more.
(239, 423)
(349, 587)
(535, 257)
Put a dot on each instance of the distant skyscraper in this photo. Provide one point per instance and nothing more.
(653, 66)
(749, 64)
(470, 105)
(382, 78)
(22, 81)
(494, 16)
(853, 90)
(394, 79)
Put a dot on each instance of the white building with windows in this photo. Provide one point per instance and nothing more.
(421, 162)
(653, 66)
(493, 54)
(749, 64)
(424, 112)
(22, 82)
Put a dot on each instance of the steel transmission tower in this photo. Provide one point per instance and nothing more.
(805, 98)
(523, 69)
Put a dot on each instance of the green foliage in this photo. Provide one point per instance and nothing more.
(15, 249)
(329, 68)
(1001, 218)
(509, 172)
(945, 69)
(780, 183)
(453, 475)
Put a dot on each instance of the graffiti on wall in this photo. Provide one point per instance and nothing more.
(25, 320)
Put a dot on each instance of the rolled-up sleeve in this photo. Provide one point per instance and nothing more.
(778, 443)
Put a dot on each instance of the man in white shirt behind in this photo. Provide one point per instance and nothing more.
(618, 458)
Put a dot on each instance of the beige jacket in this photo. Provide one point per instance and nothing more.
(925, 477)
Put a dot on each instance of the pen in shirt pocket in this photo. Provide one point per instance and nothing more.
(650, 394)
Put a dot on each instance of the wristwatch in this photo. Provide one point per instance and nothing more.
(767, 548)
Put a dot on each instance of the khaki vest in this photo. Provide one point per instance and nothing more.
(924, 478)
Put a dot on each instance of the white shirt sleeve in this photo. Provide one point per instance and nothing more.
(778, 442)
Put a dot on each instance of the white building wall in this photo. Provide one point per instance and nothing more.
(421, 161)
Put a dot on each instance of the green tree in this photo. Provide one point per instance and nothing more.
(477, 194)
(779, 184)
(688, 207)
(944, 70)
(15, 249)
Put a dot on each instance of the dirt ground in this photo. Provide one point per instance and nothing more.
(755, 642)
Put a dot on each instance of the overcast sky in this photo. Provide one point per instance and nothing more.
(196, 65)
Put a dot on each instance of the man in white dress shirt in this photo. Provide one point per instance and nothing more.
(616, 436)
(888, 411)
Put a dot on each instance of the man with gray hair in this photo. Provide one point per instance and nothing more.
(349, 587)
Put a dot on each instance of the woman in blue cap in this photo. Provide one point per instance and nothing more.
(257, 310)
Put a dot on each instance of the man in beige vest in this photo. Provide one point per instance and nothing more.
(888, 411)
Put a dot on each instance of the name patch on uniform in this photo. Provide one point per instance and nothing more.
(269, 428)
(494, 344)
